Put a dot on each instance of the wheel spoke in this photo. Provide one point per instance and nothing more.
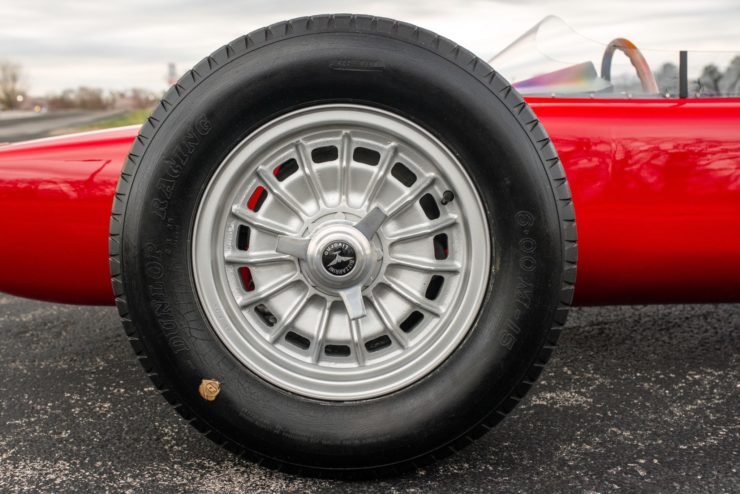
(372, 221)
(354, 328)
(385, 318)
(252, 258)
(424, 265)
(269, 290)
(406, 292)
(345, 158)
(274, 187)
(292, 246)
(352, 298)
(259, 222)
(289, 317)
(321, 325)
(422, 229)
(412, 195)
(380, 174)
(306, 163)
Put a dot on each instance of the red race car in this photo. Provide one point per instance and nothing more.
(344, 243)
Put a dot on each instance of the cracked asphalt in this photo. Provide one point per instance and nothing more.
(635, 399)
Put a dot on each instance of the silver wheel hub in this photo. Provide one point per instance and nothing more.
(339, 256)
(326, 259)
(339, 260)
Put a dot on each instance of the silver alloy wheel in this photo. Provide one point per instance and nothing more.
(341, 252)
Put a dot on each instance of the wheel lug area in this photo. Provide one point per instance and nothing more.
(339, 256)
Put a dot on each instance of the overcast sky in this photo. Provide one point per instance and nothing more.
(118, 44)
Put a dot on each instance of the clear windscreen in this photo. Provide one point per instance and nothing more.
(552, 59)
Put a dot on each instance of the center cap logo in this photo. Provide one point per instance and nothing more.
(338, 258)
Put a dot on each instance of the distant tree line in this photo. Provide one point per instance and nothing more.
(88, 98)
(712, 81)
(12, 85)
(14, 95)
(715, 82)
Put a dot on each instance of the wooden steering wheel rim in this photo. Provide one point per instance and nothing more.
(647, 79)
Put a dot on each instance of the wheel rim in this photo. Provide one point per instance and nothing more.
(341, 252)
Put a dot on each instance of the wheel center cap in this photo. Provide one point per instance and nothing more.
(338, 258)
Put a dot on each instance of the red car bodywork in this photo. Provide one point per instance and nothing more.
(656, 187)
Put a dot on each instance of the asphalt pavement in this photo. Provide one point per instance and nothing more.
(635, 399)
(36, 126)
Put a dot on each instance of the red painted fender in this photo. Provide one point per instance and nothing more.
(55, 202)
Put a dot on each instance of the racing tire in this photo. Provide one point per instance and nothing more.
(411, 160)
